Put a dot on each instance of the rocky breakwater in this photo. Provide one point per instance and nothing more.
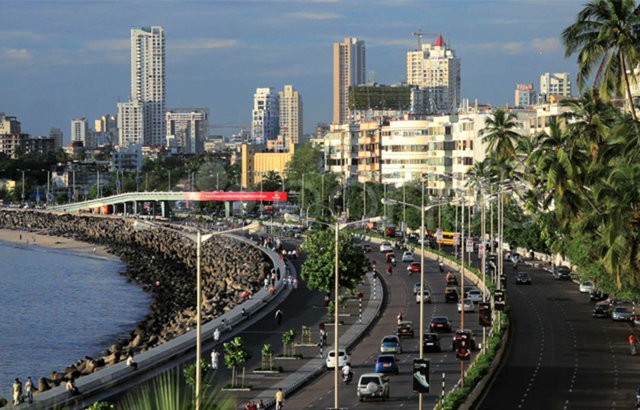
(163, 262)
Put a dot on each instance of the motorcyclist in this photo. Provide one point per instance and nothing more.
(389, 269)
(441, 266)
(347, 374)
(633, 343)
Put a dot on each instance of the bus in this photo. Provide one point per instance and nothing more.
(448, 238)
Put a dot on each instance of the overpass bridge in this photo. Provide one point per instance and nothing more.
(133, 203)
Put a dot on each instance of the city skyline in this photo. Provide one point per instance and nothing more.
(67, 59)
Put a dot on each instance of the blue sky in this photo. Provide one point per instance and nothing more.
(65, 59)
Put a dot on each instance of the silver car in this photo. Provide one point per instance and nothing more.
(373, 386)
(621, 314)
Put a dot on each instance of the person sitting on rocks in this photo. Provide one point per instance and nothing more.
(132, 363)
(72, 388)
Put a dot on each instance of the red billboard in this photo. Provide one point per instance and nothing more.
(236, 196)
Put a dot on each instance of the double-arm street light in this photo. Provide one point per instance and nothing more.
(423, 210)
(199, 239)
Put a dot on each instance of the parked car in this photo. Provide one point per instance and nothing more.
(405, 329)
(602, 310)
(407, 256)
(621, 314)
(440, 324)
(343, 359)
(373, 386)
(386, 247)
(597, 296)
(523, 278)
(431, 342)
(475, 295)
(414, 267)
(450, 294)
(390, 344)
(466, 334)
(586, 286)
(386, 363)
(467, 305)
(426, 294)
(562, 272)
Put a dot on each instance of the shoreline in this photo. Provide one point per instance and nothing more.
(26, 238)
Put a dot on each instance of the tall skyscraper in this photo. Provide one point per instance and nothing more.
(554, 84)
(436, 68)
(349, 68)
(80, 131)
(290, 115)
(525, 95)
(142, 117)
(58, 137)
(265, 119)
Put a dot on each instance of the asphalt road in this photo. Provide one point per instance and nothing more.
(320, 393)
(559, 357)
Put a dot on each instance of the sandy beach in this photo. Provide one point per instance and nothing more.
(54, 242)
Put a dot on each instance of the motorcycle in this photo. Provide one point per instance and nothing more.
(347, 377)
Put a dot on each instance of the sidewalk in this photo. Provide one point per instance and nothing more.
(356, 318)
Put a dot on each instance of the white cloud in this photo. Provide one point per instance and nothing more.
(546, 44)
(315, 16)
(201, 43)
(114, 44)
(520, 47)
(15, 54)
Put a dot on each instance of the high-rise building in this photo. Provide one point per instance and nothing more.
(557, 84)
(265, 116)
(349, 68)
(186, 129)
(12, 140)
(147, 89)
(290, 115)
(525, 95)
(436, 68)
(80, 131)
(58, 137)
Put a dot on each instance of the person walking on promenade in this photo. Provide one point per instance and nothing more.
(17, 391)
(28, 388)
(132, 363)
(216, 335)
(279, 399)
(279, 316)
(261, 405)
(215, 359)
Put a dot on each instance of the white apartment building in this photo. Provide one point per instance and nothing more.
(265, 119)
(554, 84)
(349, 69)
(187, 129)
(340, 146)
(130, 123)
(436, 68)
(80, 132)
(147, 87)
(290, 115)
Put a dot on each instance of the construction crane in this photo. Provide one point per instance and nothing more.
(420, 34)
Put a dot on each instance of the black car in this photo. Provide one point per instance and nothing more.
(465, 334)
(405, 329)
(451, 295)
(523, 278)
(602, 310)
(597, 296)
(440, 324)
(562, 272)
(431, 342)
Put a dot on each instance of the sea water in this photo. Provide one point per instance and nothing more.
(57, 307)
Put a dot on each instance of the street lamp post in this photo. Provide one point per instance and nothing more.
(199, 239)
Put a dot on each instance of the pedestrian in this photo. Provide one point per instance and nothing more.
(132, 363)
(216, 335)
(28, 387)
(215, 359)
(266, 281)
(279, 399)
(400, 317)
(17, 391)
(279, 316)
(260, 405)
(72, 388)
(295, 283)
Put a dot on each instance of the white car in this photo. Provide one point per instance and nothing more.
(586, 286)
(416, 287)
(475, 295)
(467, 305)
(373, 386)
(343, 359)
(407, 256)
(427, 296)
(386, 247)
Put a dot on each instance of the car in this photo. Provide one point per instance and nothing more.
(586, 286)
(366, 248)
(390, 344)
(475, 295)
(414, 267)
(426, 294)
(466, 334)
(343, 359)
(562, 273)
(373, 386)
(451, 280)
(386, 363)
(597, 296)
(621, 314)
(440, 324)
(386, 247)
(450, 294)
(416, 287)
(405, 329)
(523, 278)
(601, 310)
(431, 342)
(407, 256)
(467, 305)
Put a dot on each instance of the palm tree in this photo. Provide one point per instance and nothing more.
(605, 36)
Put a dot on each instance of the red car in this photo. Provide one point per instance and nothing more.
(414, 267)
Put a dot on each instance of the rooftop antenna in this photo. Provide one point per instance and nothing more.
(419, 34)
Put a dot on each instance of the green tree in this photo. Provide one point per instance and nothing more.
(287, 342)
(236, 354)
(267, 357)
(605, 37)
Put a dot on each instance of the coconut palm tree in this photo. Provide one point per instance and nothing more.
(605, 37)
(499, 132)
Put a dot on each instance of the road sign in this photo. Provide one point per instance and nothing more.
(469, 243)
(421, 375)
